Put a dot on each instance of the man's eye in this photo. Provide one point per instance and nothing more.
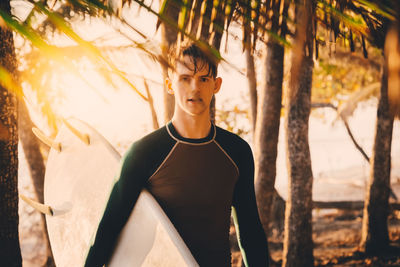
(204, 79)
(185, 79)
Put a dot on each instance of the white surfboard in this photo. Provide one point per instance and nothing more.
(78, 182)
(150, 239)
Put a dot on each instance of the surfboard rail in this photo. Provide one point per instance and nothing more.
(149, 239)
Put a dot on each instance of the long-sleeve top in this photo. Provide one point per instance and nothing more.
(196, 182)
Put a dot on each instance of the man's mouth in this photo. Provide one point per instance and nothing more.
(194, 99)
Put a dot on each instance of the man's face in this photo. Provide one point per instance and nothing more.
(193, 90)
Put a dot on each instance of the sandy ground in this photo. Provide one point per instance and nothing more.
(336, 236)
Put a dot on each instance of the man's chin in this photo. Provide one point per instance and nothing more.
(196, 112)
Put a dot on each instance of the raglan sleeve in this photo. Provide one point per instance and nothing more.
(252, 239)
(132, 177)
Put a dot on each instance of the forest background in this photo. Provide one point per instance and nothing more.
(104, 63)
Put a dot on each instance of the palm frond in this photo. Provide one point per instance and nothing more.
(92, 50)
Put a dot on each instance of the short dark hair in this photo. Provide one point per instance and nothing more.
(198, 56)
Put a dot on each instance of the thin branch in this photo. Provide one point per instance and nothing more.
(354, 140)
(329, 105)
(359, 148)
(151, 105)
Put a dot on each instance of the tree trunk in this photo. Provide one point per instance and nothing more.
(216, 35)
(298, 244)
(10, 252)
(375, 237)
(151, 106)
(267, 130)
(168, 38)
(37, 169)
(270, 204)
(251, 78)
(392, 51)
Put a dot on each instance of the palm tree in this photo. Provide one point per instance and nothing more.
(268, 115)
(377, 16)
(169, 36)
(298, 244)
(375, 235)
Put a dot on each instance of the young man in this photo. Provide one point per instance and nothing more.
(195, 170)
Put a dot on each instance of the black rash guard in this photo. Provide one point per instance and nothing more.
(196, 182)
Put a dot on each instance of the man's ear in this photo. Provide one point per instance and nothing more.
(218, 82)
(168, 86)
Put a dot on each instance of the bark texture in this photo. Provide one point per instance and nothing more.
(375, 237)
(251, 77)
(392, 50)
(298, 244)
(270, 204)
(267, 130)
(10, 252)
(36, 165)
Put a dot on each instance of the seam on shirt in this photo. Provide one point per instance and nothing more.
(193, 144)
(226, 154)
(166, 158)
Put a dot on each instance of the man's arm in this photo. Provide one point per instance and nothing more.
(251, 237)
(122, 199)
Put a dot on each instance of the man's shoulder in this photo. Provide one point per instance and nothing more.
(226, 137)
(158, 135)
(152, 142)
(236, 147)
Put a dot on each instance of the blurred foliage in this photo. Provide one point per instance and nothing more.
(43, 61)
(235, 118)
(337, 77)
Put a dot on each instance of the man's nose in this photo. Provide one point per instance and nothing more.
(194, 85)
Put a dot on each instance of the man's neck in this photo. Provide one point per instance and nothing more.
(192, 127)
